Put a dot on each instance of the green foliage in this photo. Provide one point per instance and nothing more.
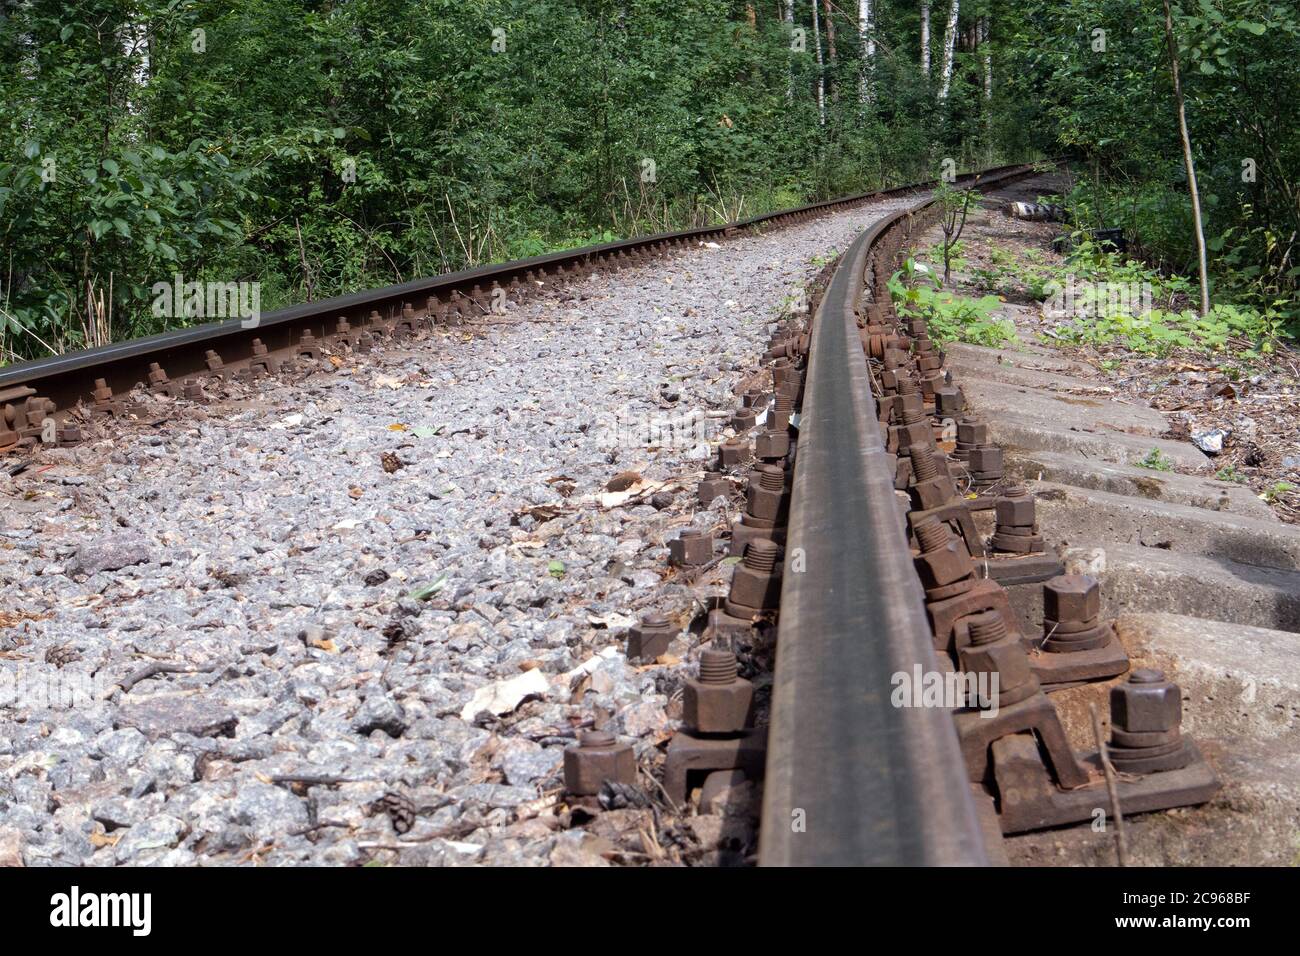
(1156, 460)
(1114, 109)
(321, 148)
(1239, 329)
(1230, 473)
(1277, 491)
(949, 317)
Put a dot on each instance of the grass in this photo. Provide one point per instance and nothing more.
(1156, 460)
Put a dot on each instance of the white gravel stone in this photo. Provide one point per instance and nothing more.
(337, 616)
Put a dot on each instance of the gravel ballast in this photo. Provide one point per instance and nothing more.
(332, 570)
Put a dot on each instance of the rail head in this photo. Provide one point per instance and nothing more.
(852, 779)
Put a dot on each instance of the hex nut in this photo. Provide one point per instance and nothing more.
(766, 494)
(971, 432)
(1015, 512)
(691, 548)
(1146, 703)
(986, 459)
(756, 581)
(772, 443)
(734, 451)
(597, 757)
(945, 565)
(649, 639)
(712, 486)
(1072, 597)
(718, 702)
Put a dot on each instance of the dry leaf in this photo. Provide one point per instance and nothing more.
(390, 462)
(355, 492)
(623, 481)
(98, 839)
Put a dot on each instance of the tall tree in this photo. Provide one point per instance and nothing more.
(867, 46)
(988, 55)
(821, 66)
(1187, 160)
(949, 50)
(925, 38)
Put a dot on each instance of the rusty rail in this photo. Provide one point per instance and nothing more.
(62, 381)
(850, 778)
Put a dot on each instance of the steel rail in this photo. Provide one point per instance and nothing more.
(852, 779)
(69, 378)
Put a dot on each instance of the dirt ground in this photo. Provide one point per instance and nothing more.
(1254, 402)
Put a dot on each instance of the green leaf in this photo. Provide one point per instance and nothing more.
(1255, 28)
(111, 167)
(429, 590)
(122, 228)
(555, 568)
(65, 33)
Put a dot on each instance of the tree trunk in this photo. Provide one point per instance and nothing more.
(925, 38)
(789, 25)
(821, 76)
(1187, 161)
(988, 57)
(949, 50)
(830, 49)
(867, 45)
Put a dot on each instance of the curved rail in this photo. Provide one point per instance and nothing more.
(69, 378)
(851, 779)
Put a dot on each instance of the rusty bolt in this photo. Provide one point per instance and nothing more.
(782, 409)
(734, 451)
(650, 638)
(596, 758)
(986, 460)
(156, 374)
(1015, 509)
(972, 432)
(930, 487)
(766, 492)
(214, 361)
(1072, 597)
(944, 559)
(772, 443)
(1005, 657)
(754, 398)
(1146, 703)
(756, 581)
(718, 702)
(744, 419)
(948, 401)
(691, 548)
(713, 485)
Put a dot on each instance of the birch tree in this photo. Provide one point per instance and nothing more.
(988, 56)
(925, 38)
(867, 44)
(949, 48)
(830, 51)
(821, 76)
(789, 29)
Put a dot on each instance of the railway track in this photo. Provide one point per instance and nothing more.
(915, 561)
(781, 645)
